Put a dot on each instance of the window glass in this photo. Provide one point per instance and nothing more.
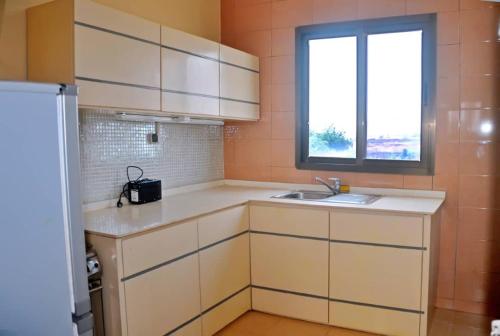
(332, 97)
(394, 89)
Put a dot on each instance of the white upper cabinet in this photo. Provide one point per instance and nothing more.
(190, 74)
(239, 84)
(117, 55)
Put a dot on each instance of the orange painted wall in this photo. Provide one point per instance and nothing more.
(467, 161)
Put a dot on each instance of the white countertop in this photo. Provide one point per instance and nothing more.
(120, 222)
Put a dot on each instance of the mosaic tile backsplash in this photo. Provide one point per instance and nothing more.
(184, 154)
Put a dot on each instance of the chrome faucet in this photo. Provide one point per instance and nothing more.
(334, 187)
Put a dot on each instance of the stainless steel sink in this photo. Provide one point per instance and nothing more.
(321, 196)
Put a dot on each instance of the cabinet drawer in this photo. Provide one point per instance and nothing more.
(117, 96)
(239, 110)
(377, 228)
(154, 248)
(293, 264)
(374, 320)
(301, 222)
(188, 73)
(159, 301)
(290, 305)
(110, 57)
(240, 84)
(189, 104)
(227, 312)
(376, 275)
(224, 270)
(222, 224)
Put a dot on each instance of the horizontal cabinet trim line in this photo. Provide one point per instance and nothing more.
(378, 306)
(183, 325)
(284, 291)
(208, 96)
(86, 25)
(182, 256)
(239, 66)
(288, 235)
(405, 247)
(223, 240)
(240, 101)
(225, 299)
(117, 83)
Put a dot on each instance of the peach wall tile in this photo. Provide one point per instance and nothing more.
(380, 180)
(252, 152)
(292, 13)
(229, 154)
(488, 309)
(479, 92)
(448, 28)
(290, 175)
(479, 158)
(283, 41)
(265, 99)
(487, 64)
(431, 6)
(257, 43)
(479, 191)
(479, 25)
(448, 237)
(444, 304)
(478, 256)
(251, 18)
(255, 130)
(227, 22)
(476, 287)
(447, 158)
(417, 182)
(448, 183)
(479, 224)
(283, 98)
(251, 2)
(475, 4)
(448, 63)
(345, 177)
(479, 125)
(283, 125)
(446, 283)
(283, 153)
(447, 126)
(380, 8)
(334, 10)
(252, 172)
(265, 70)
(448, 93)
(283, 69)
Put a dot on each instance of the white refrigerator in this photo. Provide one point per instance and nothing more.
(43, 279)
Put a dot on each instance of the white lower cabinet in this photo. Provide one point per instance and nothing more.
(159, 301)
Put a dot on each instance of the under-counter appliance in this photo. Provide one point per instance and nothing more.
(43, 287)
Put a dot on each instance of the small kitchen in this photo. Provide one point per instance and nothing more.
(271, 167)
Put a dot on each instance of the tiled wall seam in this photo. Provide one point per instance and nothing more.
(184, 154)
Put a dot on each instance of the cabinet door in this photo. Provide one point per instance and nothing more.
(110, 68)
(190, 83)
(384, 276)
(292, 264)
(239, 84)
(223, 224)
(224, 270)
(162, 300)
